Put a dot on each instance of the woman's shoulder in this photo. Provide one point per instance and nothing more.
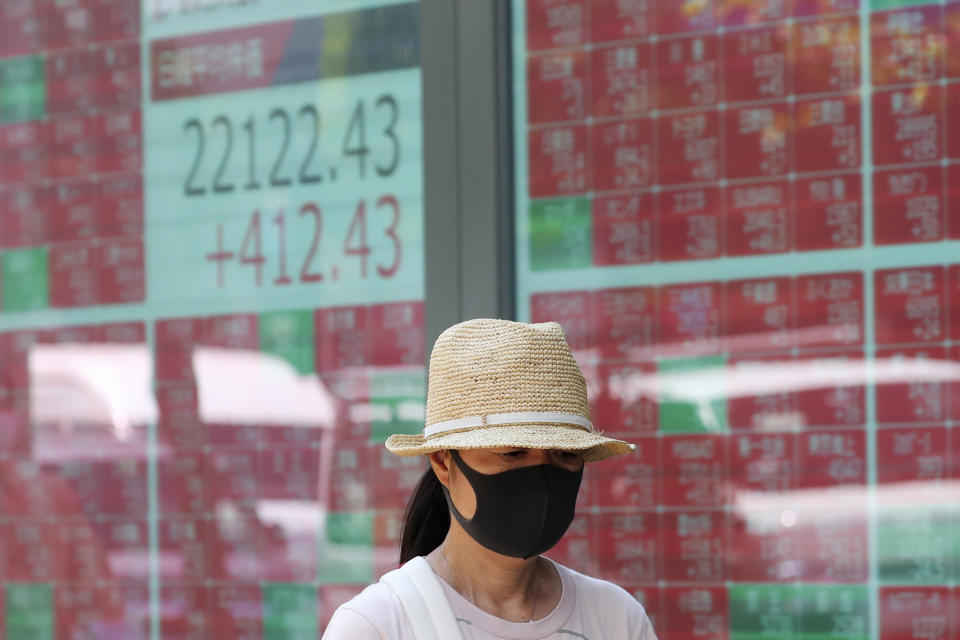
(597, 587)
(599, 594)
(607, 610)
(374, 613)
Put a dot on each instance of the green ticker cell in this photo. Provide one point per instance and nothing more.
(919, 545)
(29, 610)
(763, 611)
(346, 548)
(23, 89)
(833, 612)
(289, 335)
(560, 234)
(289, 611)
(397, 403)
(877, 5)
(688, 406)
(350, 527)
(24, 279)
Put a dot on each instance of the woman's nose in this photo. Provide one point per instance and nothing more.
(539, 456)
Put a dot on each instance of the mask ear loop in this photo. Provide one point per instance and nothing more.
(466, 471)
(471, 475)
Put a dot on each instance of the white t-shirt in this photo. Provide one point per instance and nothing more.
(589, 609)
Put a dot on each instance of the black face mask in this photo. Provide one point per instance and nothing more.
(521, 512)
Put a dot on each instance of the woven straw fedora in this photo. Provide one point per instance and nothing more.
(497, 383)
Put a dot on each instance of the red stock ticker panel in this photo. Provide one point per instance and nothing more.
(215, 462)
(713, 523)
(921, 611)
(626, 103)
(71, 192)
(717, 101)
(808, 312)
(793, 151)
(74, 496)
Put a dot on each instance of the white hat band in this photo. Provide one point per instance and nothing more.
(519, 417)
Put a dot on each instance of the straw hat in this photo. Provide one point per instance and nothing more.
(497, 383)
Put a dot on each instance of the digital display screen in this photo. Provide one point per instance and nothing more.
(211, 312)
(743, 215)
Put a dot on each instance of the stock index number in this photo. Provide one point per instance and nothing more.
(286, 167)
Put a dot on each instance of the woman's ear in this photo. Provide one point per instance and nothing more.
(441, 461)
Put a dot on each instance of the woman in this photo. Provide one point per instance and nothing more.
(507, 434)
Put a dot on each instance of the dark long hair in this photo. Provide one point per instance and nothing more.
(426, 520)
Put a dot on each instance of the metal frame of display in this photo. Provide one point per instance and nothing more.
(467, 161)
